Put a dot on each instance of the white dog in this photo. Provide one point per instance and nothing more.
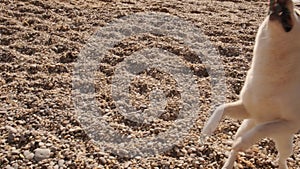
(269, 102)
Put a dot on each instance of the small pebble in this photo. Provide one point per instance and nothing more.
(41, 144)
(15, 151)
(9, 167)
(61, 162)
(41, 154)
(28, 155)
(11, 129)
(103, 160)
(51, 163)
(48, 144)
(15, 166)
(138, 157)
(10, 118)
(127, 164)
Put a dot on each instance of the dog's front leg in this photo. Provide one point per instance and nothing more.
(234, 110)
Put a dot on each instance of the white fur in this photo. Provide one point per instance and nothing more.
(270, 99)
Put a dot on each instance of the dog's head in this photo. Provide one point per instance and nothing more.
(280, 31)
(278, 38)
(283, 12)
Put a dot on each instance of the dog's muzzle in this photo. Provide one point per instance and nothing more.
(279, 10)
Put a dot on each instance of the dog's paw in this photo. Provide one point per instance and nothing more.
(213, 122)
(208, 130)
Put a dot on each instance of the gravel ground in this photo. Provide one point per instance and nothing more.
(40, 44)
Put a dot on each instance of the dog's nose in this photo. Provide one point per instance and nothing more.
(279, 10)
(276, 7)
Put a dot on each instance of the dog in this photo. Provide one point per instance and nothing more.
(269, 102)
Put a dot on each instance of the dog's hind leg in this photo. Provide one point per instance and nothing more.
(246, 125)
(284, 145)
(275, 129)
(280, 130)
(231, 159)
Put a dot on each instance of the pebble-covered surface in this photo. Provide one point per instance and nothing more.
(39, 45)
